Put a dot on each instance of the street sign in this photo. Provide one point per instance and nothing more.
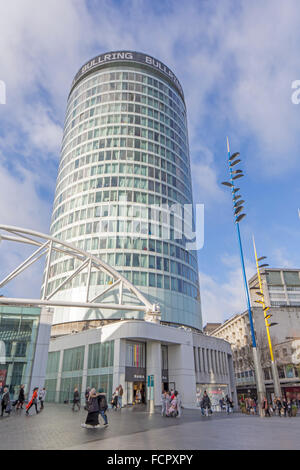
(150, 380)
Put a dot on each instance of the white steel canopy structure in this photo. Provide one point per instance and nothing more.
(83, 261)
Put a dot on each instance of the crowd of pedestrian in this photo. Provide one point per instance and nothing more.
(278, 406)
(96, 404)
(171, 404)
(38, 397)
(248, 405)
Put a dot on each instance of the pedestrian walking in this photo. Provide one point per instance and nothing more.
(164, 399)
(179, 404)
(33, 401)
(5, 402)
(205, 404)
(103, 406)
(255, 405)
(198, 398)
(120, 396)
(278, 406)
(265, 407)
(86, 395)
(92, 419)
(114, 400)
(229, 404)
(222, 404)
(76, 399)
(289, 408)
(285, 407)
(168, 402)
(21, 398)
(42, 396)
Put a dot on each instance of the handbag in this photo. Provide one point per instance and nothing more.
(8, 408)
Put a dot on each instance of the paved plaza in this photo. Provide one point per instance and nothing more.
(58, 428)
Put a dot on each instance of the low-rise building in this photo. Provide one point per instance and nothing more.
(24, 338)
(128, 352)
(282, 294)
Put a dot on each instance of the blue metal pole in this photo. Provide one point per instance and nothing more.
(246, 287)
(242, 255)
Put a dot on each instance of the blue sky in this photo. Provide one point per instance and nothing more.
(236, 62)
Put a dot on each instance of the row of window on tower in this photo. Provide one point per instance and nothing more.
(171, 164)
(133, 81)
(138, 278)
(162, 124)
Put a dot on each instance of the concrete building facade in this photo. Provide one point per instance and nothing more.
(130, 351)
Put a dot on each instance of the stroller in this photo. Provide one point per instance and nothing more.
(173, 412)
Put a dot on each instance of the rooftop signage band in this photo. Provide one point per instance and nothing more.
(121, 56)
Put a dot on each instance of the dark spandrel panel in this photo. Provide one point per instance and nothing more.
(274, 278)
(291, 278)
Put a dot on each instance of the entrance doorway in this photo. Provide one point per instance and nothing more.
(136, 393)
(139, 395)
(165, 386)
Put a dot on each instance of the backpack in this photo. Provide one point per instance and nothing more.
(103, 403)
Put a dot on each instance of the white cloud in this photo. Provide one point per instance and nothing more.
(206, 184)
(236, 65)
(20, 205)
(224, 296)
(282, 259)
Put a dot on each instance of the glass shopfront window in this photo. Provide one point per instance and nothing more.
(101, 355)
(18, 333)
(215, 393)
(135, 354)
(73, 359)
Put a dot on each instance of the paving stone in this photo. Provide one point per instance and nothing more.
(57, 428)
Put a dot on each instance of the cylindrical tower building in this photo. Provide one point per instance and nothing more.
(124, 151)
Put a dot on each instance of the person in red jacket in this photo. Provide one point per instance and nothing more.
(33, 401)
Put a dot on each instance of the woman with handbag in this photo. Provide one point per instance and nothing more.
(5, 402)
(92, 419)
(76, 399)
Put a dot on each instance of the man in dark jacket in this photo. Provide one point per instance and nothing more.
(278, 406)
(285, 406)
(87, 394)
(205, 404)
(103, 405)
(5, 402)
(76, 399)
(21, 397)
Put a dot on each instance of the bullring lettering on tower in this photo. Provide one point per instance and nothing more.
(127, 56)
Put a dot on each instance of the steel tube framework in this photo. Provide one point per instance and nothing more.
(48, 245)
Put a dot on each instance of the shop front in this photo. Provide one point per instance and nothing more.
(165, 366)
(291, 392)
(165, 381)
(135, 373)
(215, 392)
(135, 385)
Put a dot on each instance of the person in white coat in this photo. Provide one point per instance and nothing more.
(42, 396)
(179, 404)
